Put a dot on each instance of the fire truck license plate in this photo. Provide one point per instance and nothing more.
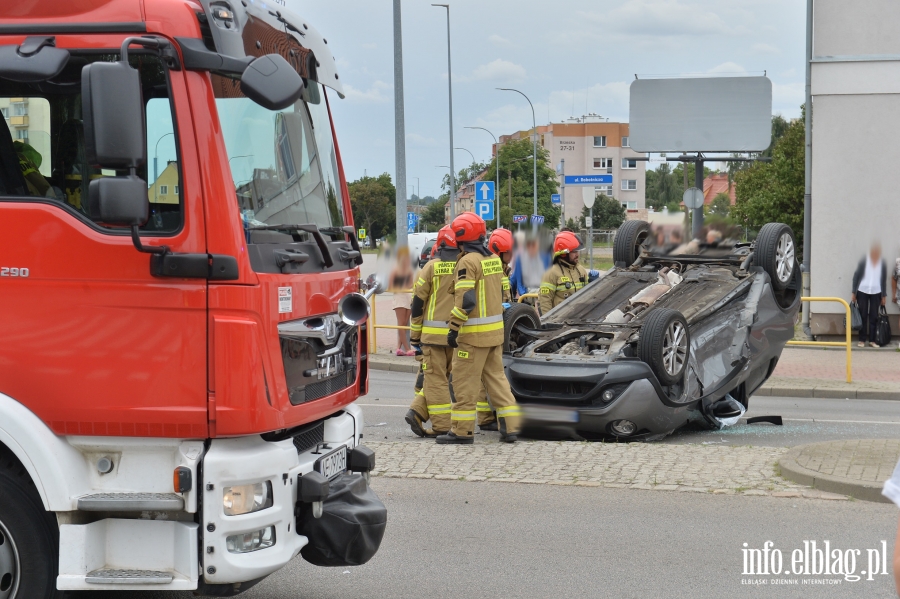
(333, 464)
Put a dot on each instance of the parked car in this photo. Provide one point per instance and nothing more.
(425, 256)
(662, 338)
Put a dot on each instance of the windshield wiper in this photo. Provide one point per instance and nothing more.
(324, 252)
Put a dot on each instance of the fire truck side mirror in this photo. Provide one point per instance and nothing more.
(113, 116)
(119, 201)
(272, 82)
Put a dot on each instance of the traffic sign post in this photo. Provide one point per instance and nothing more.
(589, 197)
(485, 209)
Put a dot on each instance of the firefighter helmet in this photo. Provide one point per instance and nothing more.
(501, 241)
(445, 238)
(468, 226)
(566, 242)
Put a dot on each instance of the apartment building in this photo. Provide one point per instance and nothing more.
(591, 145)
(28, 120)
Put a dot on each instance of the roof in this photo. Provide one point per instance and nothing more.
(715, 184)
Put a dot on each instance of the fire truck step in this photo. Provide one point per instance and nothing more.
(108, 576)
(129, 502)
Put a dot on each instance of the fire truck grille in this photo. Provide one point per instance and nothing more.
(328, 386)
(309, 437)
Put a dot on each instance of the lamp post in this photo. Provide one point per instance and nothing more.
(450, 104)
(452, 193)
(497, 174)
(470, 153)
(534, 132)
(156, 155)
(399, 129)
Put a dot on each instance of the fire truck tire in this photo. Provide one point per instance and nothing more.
(29, 537)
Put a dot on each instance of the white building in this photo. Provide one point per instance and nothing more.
(856, 118)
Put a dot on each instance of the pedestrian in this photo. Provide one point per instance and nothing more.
(431, 306)
(476, 335)
(870, 292)
(401, 280)
(566, 275)
(895, 291)
(528, 268)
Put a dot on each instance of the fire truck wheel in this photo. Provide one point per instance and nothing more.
(29, 537)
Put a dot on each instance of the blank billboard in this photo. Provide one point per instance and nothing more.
(711, 114)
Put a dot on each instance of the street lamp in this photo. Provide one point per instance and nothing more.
(470, 154)
(497, 174)
(452, 181)
(534, 129)
(156, 154)
(450, 104)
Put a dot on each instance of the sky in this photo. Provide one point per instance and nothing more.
(571, 57)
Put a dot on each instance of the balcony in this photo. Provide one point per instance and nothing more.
(19, 121)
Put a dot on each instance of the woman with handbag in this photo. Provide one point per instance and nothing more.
(870, 293)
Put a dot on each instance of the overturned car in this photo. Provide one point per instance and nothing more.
(663, 338)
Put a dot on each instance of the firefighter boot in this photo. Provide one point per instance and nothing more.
(451, 439)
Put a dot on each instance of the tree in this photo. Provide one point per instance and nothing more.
(721, 205)
(678, 175)
(609, 213)
(433, 217)
(373, 200)
(517, 182)
(662, 187)
(773, 192)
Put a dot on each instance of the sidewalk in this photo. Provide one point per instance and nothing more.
(857, 468)
(801, 372)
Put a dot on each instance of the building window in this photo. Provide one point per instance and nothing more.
(629, 184)
(603, 190)
(599, 141)
(603, 162)
(629, 163)
(176, 190)
(19, 109)
(163, 190)
(625, 142)
(22, 134)
(632, 205)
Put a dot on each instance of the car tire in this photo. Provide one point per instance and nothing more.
(665, 345)
(776, 254)
(29, 537)
(514, 315)
(629, 239)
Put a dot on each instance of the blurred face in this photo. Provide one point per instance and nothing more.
(573, 257)
(875, 254)
(532, 248)
(506, 257)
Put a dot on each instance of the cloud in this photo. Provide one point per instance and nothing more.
(414, 140)
(661, 18)
(369, 46)
(377, 93)
(764, 49)
(501, 71)
(728, 68)
(498, 40)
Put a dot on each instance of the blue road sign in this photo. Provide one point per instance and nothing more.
(555, 198)
(519, 218)
(484, 209)
(484, 190)
(412, 219)
(589, 179)
(537, 219)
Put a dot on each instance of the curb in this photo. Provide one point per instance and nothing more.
(778, 389)
(793, 471)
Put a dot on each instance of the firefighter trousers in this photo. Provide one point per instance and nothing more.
(432, 401)
(476, 370)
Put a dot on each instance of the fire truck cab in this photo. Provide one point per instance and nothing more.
(182, 334)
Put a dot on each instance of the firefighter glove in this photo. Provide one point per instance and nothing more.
(451, 338)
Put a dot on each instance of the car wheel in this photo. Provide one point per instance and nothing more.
(665, 345)
(515, 315)
(776, 253)
(29, 537)
(630, 237)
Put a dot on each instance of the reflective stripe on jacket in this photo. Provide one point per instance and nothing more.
(478, 300)
(434, 288)
(561, 281)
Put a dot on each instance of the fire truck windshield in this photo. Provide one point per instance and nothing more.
(283, 163)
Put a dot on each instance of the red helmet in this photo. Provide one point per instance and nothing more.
(501, 241)
(565, 243)
(445, 238)
(468, 226)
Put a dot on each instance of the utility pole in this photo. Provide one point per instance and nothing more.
(450, 104)
(399, 130)
(807, 192)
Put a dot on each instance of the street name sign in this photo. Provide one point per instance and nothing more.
(589, 179)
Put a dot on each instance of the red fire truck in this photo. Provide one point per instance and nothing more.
(182, 334)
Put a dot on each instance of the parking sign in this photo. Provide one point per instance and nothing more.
(485, 209)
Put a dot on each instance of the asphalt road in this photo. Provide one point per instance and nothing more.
(488, 540)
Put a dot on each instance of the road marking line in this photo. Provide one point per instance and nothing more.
(841, 421)
(383, 405)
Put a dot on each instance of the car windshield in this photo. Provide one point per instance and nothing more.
(283, 162)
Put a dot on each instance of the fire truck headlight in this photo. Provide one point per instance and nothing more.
(245, 499)
(251, 541)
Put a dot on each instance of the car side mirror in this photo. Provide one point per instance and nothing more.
(272, 82)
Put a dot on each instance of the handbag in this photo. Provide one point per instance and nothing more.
(882, 328)
(855, 317)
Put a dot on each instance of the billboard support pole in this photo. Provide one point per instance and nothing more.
(698, 183)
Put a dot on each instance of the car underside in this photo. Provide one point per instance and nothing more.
(657, 341)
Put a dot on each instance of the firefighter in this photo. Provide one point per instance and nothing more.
(565, 276)
(430, 310)
(476, 336)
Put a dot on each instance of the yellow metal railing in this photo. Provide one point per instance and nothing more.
(847, 343)
(373, 338)
(524, 295)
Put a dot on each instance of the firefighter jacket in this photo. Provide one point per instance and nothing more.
(561, 281)
(507, 293)
(478, 299)
(433, 301)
